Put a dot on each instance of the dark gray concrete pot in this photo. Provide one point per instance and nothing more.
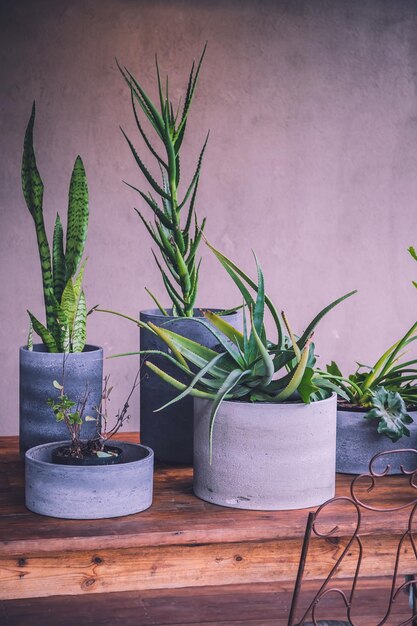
(267, 457)
(38, 370)
(170, 432)
(358, 441)
(89, 492)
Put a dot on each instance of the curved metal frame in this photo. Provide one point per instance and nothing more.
(357, 504)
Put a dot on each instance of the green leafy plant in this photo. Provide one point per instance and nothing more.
(386, 389)
(64, 298)
(246, 366)
(72, 413)
(177, 242)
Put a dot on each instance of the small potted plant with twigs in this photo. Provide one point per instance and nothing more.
(88, 478)
(64, 331)
(265, 418)
(176, 232)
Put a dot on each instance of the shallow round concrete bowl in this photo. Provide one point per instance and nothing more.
(266, 456)
(89, 492)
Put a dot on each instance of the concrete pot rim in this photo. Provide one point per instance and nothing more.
(106, 468)
(157, 313)
(38, 349)
(272, 404)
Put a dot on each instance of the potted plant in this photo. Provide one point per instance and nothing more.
(176, 233)
(265, 420)
(376, 407)
(88, 478)
(64, 331)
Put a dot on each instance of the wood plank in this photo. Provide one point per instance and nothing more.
(89, 572)
(237, 605)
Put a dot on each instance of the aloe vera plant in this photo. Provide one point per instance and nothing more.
(177, 242)
(62, 274)
(246, 366)
(387, 389)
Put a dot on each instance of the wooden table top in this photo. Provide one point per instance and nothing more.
(176, 516)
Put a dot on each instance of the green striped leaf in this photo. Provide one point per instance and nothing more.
(31, 181)
(44, 334)
(58, 259)
(80, 323)
(77, 220)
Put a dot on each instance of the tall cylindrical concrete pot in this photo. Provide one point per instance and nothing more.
(358, 441)
(267, 457)
(170, 432)
(89, 491)
(38, 370)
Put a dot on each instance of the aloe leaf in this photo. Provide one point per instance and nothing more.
(162, 333)
(413, 253)
(297, 377)
(227, 329)
(267, 361)
(192, 84)
(195, 178)
(176, 383)
(58, 259)
(160, 307)
(46, 336)
(145, 102)
(296, 349)
(142, 132)
(229, 265)
(310, 328)
(227, 345)
(229, 383)
(149, 229)
(79, 327)
(408, 338)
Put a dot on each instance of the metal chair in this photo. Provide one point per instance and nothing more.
(328, 587)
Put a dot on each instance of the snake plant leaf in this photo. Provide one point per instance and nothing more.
(77, 219)
(78, 281)
(29, 342)
(44, 334)
(31, 181)
(413, 253)
(389, 409)
(80, 323)
(69, 302)
(58, 259)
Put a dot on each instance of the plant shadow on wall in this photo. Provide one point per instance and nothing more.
(255, 400)
(64, 331)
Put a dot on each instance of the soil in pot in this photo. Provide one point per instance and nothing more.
(64, 455)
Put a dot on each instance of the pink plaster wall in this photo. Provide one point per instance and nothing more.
(312, 159)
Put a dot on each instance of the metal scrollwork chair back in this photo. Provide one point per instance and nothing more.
(354, 544)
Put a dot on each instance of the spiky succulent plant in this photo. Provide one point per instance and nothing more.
(65, 306)
(176, 241)
(246, 365)
(385, 389)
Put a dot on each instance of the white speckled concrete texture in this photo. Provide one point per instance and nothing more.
(89, 492)
(266, 456)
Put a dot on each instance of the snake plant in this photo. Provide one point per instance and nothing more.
(246, 365)
(65, 306)
(385, 389)
(177, 241)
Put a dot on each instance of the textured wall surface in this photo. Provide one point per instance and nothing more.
(312, 159)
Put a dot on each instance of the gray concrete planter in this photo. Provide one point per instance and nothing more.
(170, 432)
(38, 370)
(358, 441)
(89, 492)
(266, 456)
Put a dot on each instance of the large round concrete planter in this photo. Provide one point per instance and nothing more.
(266, 456)
(170, 432)
(358, 441)
(38, 370)
(89, 492)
